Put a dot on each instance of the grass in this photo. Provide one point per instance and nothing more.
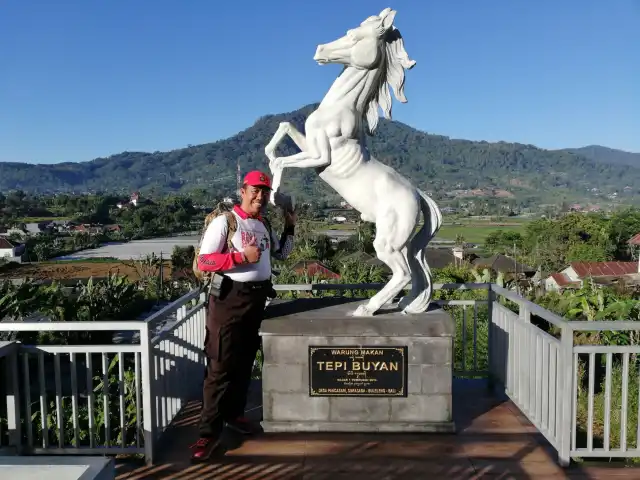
(42, 219)
(473, 230)
(82, 260)
(473, 233)
(334, 226)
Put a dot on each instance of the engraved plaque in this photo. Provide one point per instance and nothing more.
(358, 371)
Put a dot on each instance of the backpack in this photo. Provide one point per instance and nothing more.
(232, 223)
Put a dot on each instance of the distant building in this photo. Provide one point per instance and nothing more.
(574, 275)
(88, 229)
(634, 241)
(9, 251)
(503, 264)
(436, 258)
(559, 281)
(134, 199)
(315, 268)
(113, 228)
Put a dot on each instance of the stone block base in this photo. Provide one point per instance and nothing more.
(368, 427)
(292, 327)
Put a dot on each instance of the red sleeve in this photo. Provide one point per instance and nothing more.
(219, 262)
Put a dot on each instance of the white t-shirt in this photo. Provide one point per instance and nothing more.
(215, 241)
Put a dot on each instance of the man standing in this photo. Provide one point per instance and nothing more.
(235, 314)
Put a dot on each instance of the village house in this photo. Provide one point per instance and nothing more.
(506, 265)
(436, 258)
(574, 275)
(10, 252)
(315, 269)
(88, 229)
(113, 228)
(601, 273)
(133, 201)
(634, 242)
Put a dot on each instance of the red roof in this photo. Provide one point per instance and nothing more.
(314, 269)
(562, 280)
(4, 243)
(635, 240)
(603, 269)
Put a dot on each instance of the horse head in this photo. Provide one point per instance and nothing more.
(376, 45)
(366, 46)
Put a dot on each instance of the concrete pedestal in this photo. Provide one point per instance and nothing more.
(57, 468)
(292, 327)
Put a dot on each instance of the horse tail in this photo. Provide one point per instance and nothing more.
(421, 278)
(431, 213)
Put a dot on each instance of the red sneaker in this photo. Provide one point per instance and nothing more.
(242, 425)
(204, 448)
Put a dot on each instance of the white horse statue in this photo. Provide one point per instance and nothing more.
(374, 57)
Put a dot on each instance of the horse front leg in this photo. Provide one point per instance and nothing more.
(284, 129)
(317, 155)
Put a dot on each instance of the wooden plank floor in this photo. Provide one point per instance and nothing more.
(494, 441)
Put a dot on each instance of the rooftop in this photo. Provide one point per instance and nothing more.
(503, 263)
(603, 269)
(635, 240)
(563, 281)
(4, 243)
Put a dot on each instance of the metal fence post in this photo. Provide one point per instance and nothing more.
(490, 298)
(564, 398)
(147, 365)
(13, 399)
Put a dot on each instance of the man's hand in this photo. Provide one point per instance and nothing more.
(251, 252)
(290, 219)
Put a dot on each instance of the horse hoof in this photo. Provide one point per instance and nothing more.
(363, 311)
(413, 310)
(404, 302)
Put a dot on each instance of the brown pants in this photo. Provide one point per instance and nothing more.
(231, 344)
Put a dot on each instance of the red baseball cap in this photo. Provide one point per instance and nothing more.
(257, 178)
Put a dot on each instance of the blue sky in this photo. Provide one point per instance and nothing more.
(81, 79)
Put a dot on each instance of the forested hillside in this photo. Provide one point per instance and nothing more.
(434, 162)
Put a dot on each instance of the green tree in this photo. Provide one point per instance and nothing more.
(43, 251)
(504, 241)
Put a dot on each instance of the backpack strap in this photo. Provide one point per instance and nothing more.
(267, 224)
(232, 228)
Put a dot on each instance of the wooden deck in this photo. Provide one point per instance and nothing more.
(494, 441)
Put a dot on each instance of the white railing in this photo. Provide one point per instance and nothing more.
(605, 399)
(104, 399)
(525, 360)
(544, 374)
(120, 398)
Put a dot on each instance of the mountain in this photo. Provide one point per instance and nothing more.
(435, 163)
(607, 155)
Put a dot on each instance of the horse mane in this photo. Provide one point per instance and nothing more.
(391, 73)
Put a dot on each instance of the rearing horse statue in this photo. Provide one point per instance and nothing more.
(374, 58)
